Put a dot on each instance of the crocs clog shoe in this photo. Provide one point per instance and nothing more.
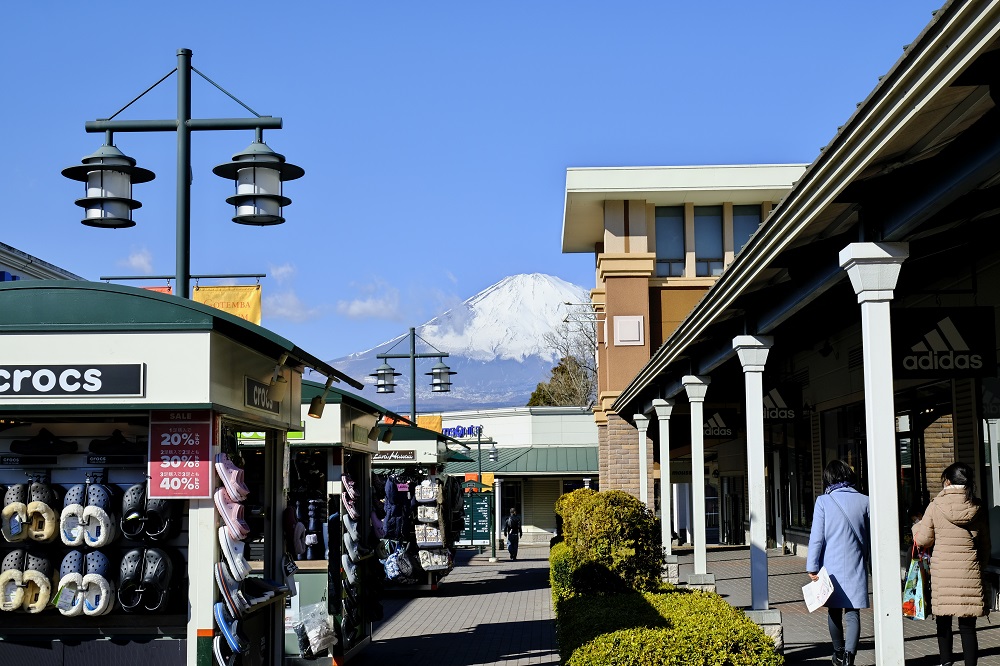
(157, 573)
(70, 530)
(12, 580)
(349, 486)
(349, 506)
(44, 443)
(71, 584)
(133, 514)
(229, 626)
(98, 520)
(232, 515)
(161, 521)
(117, 444)
(43, 512)
(130, 580)
(98, 591)
(15, 513)
(224, 655)
(350, 568)
(234, 552)
(230, 590)
(350, 547)
(37, 582)
(352, 526)
(232, 478)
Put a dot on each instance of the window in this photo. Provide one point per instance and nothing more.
(746, 220)
(669, 241)
(708, 240)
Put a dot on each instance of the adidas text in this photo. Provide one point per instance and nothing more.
(942, 361)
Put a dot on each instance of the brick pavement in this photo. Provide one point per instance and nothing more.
(807, 639)
(483, 614)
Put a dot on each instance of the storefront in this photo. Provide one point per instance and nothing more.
(122, 542)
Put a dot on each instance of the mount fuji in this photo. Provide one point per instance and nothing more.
(496, 344)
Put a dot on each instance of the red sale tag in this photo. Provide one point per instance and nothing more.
(180, 455)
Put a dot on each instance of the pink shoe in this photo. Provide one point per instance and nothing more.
(232, 478)
(232, 515)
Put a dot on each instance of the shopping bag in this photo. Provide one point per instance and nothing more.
(817, 592)
(916, 589)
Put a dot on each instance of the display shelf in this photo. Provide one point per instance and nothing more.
(54, 625)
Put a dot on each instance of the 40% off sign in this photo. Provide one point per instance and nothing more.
(180, 454)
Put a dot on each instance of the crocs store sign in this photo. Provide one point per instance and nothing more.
(72, 380)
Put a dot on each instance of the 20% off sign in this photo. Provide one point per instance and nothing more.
(180, 454)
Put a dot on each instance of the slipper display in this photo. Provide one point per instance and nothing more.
(37, 583)
(98, 521)
(229, 626)
(350, 568)
(70, 530)
(230, 590)
(144, 580)
(349, 486)
(133, 517)
(235, 554)
(349, 506)
(130, 580)
(98, 592)
(116, 444)
(161, 521)
(15, 513)
(71, 572)
(352, 527)
(350, 547)
(12, 580)
(232, 515)
(224, 654)
(44, 443)
(43, 520)
(232, 478)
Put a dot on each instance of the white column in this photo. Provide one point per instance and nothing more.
(993, 435)
(663, 410)
(776, 480)
(874, 269)
(752, 351)
(498, 519)
(696, 388)
(642, 425)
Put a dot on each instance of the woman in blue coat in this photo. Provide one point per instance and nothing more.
(840, 542)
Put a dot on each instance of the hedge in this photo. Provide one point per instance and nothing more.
(680, 627)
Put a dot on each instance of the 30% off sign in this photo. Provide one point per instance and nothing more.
(180, 446)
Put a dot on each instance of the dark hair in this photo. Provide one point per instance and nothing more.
(837, 471)
(960, 474)
(513, 511)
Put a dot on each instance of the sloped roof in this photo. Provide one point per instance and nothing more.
(531, 460)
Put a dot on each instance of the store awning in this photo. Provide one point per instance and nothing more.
(532, 460)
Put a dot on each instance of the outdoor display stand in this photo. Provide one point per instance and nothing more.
(115, 404)
(327, 524)
(421, 509)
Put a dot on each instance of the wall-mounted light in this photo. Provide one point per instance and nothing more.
(278, 388)
(317, 404)
(373, 433)
(387, 437)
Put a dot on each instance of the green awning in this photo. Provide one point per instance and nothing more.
(530, 460)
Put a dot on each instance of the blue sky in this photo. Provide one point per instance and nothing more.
(435, 136)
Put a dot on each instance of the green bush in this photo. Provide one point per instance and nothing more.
(561, 568)
(677, 627)
(617, 531)
(567, 505)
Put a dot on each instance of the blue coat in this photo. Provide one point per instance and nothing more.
(832, 544)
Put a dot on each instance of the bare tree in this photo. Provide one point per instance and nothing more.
(574, 378)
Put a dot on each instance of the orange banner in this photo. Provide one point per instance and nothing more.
(162, 290)
(239, 301)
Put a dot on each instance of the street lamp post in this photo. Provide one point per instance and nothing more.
(258, 171)
(440, 374)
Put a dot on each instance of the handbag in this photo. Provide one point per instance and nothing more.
(916, 589)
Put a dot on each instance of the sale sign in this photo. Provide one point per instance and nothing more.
(180, 454)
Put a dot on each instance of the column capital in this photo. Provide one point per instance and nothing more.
(641, 422)
(874, 268)
(663, 408)
(752, 351)
(696, 387)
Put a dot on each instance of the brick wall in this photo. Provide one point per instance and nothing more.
(602, 455)
(619, 460)
(939, 451)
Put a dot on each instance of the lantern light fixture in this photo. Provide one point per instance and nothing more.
(441, 377)
(385, 376)
(109, 175)
(258, 173)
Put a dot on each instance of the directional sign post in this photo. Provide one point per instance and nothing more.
(478, 529)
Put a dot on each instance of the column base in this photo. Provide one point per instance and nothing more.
(670, 570)
(770, 622)
(704, 582)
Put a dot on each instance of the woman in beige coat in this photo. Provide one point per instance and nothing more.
(956, 525)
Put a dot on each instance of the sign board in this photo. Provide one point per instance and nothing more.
(257, 395)
(943, 342)
(77, 380)
(241, 301)
(478, 518)
(722, 424)
(180, 454)
(400, 455)
(782, 403)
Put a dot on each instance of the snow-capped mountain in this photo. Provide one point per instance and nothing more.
(496, 342)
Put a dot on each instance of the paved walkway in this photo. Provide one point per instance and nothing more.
(483, 614)
(492, 614)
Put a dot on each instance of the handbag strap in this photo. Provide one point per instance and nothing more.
(849, 523)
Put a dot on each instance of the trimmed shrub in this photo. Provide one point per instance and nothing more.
(561, 568)
(678, 627)
(567, 505)
(617, 531)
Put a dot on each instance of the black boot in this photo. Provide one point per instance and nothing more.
(838, 658)
(849, 658)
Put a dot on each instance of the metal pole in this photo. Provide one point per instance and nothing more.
(183, 172)
(413, 375)
(479, 448)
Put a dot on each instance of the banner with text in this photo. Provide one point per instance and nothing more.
(239, 301)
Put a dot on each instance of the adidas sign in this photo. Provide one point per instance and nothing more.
(716, 427)
(775, 406)
(943, 348)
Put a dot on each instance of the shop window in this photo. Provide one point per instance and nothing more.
(746, 220)
(844, 438)
(669, 241)
(708, 248)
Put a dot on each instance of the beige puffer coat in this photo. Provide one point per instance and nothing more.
(960, 535)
